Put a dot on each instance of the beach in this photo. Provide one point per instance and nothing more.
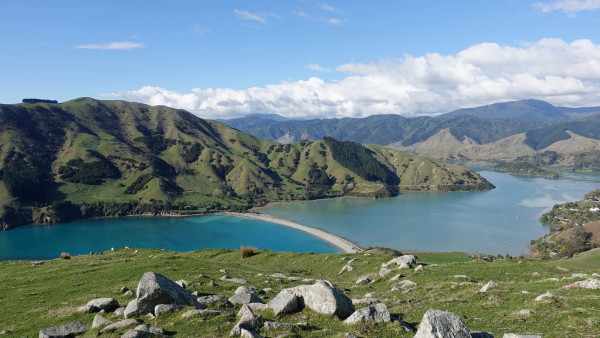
(343, 244)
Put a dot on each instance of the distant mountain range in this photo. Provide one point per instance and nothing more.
(86, 158)
(497, 132)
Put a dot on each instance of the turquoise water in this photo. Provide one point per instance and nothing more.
(502, 220)
(178, 234)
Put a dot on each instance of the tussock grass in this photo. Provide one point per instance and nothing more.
(247, 251)
(65, 255)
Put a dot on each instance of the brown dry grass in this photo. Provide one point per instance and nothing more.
(247, 251)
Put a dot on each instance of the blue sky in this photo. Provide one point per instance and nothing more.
(302, 58)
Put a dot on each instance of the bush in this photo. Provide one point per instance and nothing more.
(65, 255)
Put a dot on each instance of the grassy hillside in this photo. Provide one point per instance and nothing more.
(85, 158)
(41, 296)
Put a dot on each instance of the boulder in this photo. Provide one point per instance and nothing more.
(590, 283)
(481, 335)
(323, 298)
(67, 330)
(404, 259)
(384, 272)
(248, 334)
(378, 313)
(419, 268)
(488, 286)
(121, 324)
(363, 279)
(396, 277)
(106, 304)
(200, 313)
(100, 321)
(439, 324)
(403, 266)
(365, 301)
(183, 283)
(245, 295)
(120, 311)
(234, 280)
(151, 329)
(167, 308)
(247, 322)
(88, 309)
(154, 289)
(347, 267)
(207, 301)
(269, 325)
(284, 303)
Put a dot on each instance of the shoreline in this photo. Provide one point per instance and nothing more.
(344, 245)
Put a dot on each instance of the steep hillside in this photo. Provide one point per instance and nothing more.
(86, 158)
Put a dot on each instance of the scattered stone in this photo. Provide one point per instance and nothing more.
(151, 329)
(461, 276)
(578, 275)
(347, 267)
(350, 335)
(590, 283)
(365, 301)
(419, 267)
(207, 301)
(120, 311)
(363, 279)
(294, 278)
(403, 266)
(595, 275)
(100, 321)
(367, 254)
(183, 283)
(406, 283)
(308, 280)
(124, 289)
(370, 295)
(87, 309)
(487, 287)
(212, 283)
(167, 308)
(234, 280)
(269, 325)
(121, 324)
(512, 335)
(544, 296)
(352, 260)
(140, 334)
(284, 303)
(525, 312)
(323, 298)
(245, 295)
(106, 304)
(267, 290)
(67, 330)
(525, 292)
(256, 307)
(384, 271)
(248, 334)
(406, 259)
(535, 274)
(129, 293)
(378, 313)
(278, 275)
(481, 335)
(396, 277)
(154, 289)
(200, 313)
(5, 332)
(37, 263)
(248, 322)
(223, 271)
(436, 323)
(553, 279)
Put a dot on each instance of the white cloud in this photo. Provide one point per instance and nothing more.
(571, 7)
(199, 29)
(553, 70)
(318, 68)
(117, 45)
(258, 17)
(329, 8)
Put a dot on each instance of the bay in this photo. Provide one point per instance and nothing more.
(170, 233)
(500, 221)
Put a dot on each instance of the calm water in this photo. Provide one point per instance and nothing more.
(178, 234)
(502, 220)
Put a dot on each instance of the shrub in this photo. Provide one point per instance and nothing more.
(65, 255)
(247, 251)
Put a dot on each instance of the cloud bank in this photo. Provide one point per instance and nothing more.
(553, 70)
(571, 7)
(117, 45)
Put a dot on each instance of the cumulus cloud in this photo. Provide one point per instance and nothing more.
(258, 17)
(571, 7)
(117, 45)
(553, 70)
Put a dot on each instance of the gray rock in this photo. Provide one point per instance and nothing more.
(248, 334)
(347, 267)
(512, 335)
(293, 278)
(200, 313)
(88, 309)
(365, 301)
(207, 301)
(5, 332)
(590, 283)
(363, 279)
(384, 272)
(67, 330)
(121, 324)
(120, 311)
(419, 267)
(525, 312)
(396, 277)
(129, 293)
(142, 334)
(124, 289)
(183, 283)
(440, 324)
(323, 298)
(278, 275)
(378, 313)
(257, 307)
(481, 335)
(154, 289)
(248, 322)
(106, 304)
(406, 283)
(268, 325)
(151, 329)
(167, 308)
(350, 335)
(284, 303)
(403, 266)
(488, 286)
(404, 259)
(245, 308)
(245, 295)
(235, 280)
(545, 296)
(100, 321)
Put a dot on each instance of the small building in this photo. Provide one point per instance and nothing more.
(594, 209)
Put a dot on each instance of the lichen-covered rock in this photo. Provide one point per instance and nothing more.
(100, 321)
(377, 313)
(154, 289)
(440, 324)
(67, 330)
(323, 298)
(284, 303)
(245, 295)
(106, 304)
(248, 322)
(207, 301)
(590, 283)
(167, 308)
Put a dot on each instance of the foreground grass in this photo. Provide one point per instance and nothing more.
(37, 297)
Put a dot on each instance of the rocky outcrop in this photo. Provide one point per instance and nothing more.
(284, 303)
(154, 289)
(322, 297)
(247, 322)
(440, 324)
(377, 313)
(590, 283)
(245, 295)
(401, 260)
(67, 330)
(207, 301)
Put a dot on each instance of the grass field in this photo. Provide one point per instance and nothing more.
(37, 297)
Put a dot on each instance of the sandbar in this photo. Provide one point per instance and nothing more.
(343, 244)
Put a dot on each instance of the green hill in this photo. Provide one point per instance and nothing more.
(86, 158)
